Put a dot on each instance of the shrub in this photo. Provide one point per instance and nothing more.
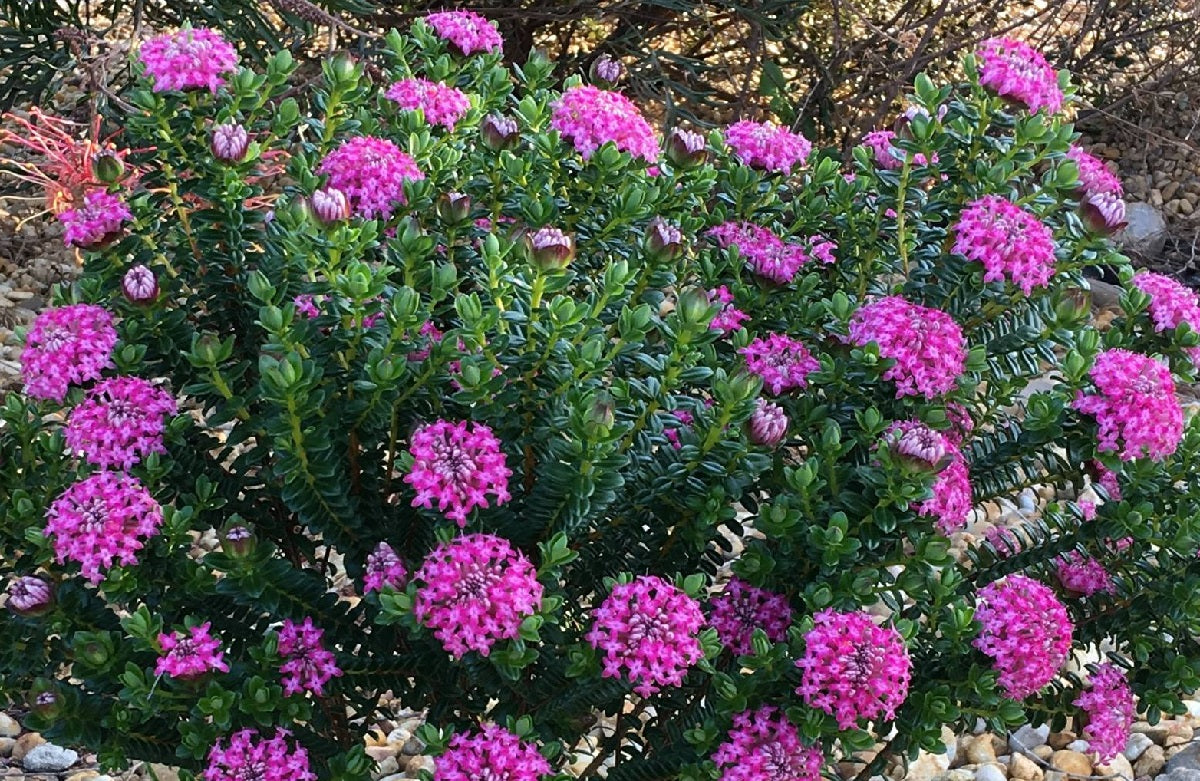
(532, 418)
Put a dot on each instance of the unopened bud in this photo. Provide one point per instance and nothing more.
(343, 67)
(917, 446)
(605, 71)
(237, 540)
(686, 148)
(663, 240)
(107, 167)
(230, 142)
(694, 305)
(44, 699)
(139, 285)
(602, 415)
(330, 205)
(454, 208)
(499, 132)
(29, 597)
(550, 249)
(1103, 213)
(768, 424)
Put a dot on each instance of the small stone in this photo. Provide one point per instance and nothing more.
(1137, 745)
(163, 772)
(1059, 740)
(1071, 762)
(1164, 729)
(1176, 740)
(981, 750)
(927, 766)
(1182, 774)
(1043, 752)
(49, 758)
(9, 728)
(85, 775)
(1183, 758)
(379, 753)
(1168, 192)
(960, 774)
(1146, 231)
(1081, 746)
(1028, 737)
(25, 744)
(1117, 766)
(1193, 708)
(387, 766)
(1022, 768)
(395, 777)
(398, 737)
(417, 764)
(990, 772)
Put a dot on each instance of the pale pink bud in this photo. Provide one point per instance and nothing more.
(663, 240)
(606, 71)
(229, 142)
(686, 148)
(29, 596)
(499, 132)
(330, 205)
(768, 424)
(1104, 212)
(550, 248)
(140, 285)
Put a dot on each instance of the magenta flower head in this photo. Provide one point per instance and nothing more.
(853, 669)
(952, 500)
(307, 665)
(1008, 241)
(139, 285)
(97, 223)
(29, 597)
(120, 422)
(926, 344)
(606, 72)
(1170, 302)
(102, 520)
(466, 31)
(189, 59)
(1026, 631)
(440, 103)
(1134, 404)
(768, 424)
(741, 608)
(190, 654)
(66, 346)
(457, 465)
(499, 132)
(783, 363)
(550, 249)
(767, 255)
(1084, 575)
(887, 156)
(230, 142)
(491, 753)
(475, 591)
(330, 205)
(1100, 192)
(1018, 72)
(730, 318)
(686, 148)
(249, 755)
(371, 173)
(764, 746)
(1108, 703)
(648, 632)
(384, 570)
(590, 117)
(767, 146)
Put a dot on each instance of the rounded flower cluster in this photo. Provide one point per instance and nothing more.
(1026, 631)
(1094, 176)
(952, 496)
(475, 591)
(120, 422)
(1170, 304)
(926, 344)
(853, 669)
(307, 666)
(188, 59)
(456, 466)
(96, 222)
(729, 318)
(782, 362)
(371, 172)
(764, 746)
(1017, 71)
(102, 519)
(1010, 242)
(467, 31)
(769, 256)
(249, 755)
(648, 629)
(1084, 575)
(492, 753)
(440, 103)
(1135, 406)
(742, 608)
(767, 146)
(384, 570)
(1108, 702)
(190, 654)
(66, 346)
(591, 117)
(888, 156)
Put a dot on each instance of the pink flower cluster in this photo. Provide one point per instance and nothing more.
(492, 753)
(1094, 176)
(475, 591)
(307, 665)
(249, 755)
(782, 362)
(1010, 242)
(926, 344)
(769, 256)
(951, 498)
(1026, 631)
(1135, 406)
(468, 31)
(1004, 540)
(853, 669)
(1017, 71)
(729, 318)
(188, 59)
(1170, 304)
(371, 172)
(741, 608)
(102, 519)
(767, 146)
(648, 631)
(764, 746)
(1084, 575)
(96, 222)
(190, 654)
(66, 346)
(888, 156)
(590, 117)
(1108, 702)
(685, 420)
(120, 422)
(456, 466)
(440, 103)
(384, 570)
